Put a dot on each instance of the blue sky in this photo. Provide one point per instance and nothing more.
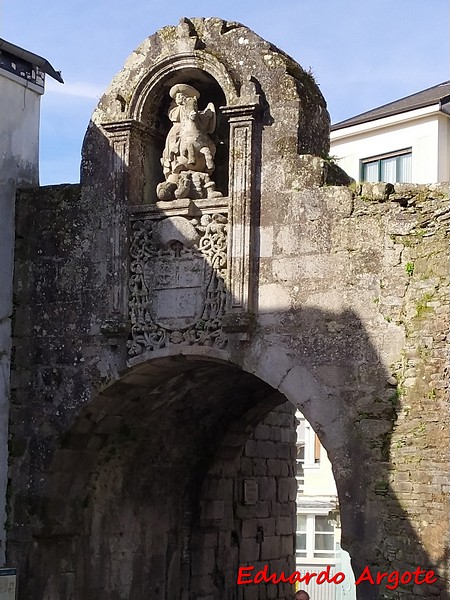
(363, 53)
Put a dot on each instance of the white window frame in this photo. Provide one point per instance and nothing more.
(300, 480)
(379, 159)
(311, 542)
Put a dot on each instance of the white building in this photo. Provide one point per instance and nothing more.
(318, 522)
(22, 76)
(404, 141)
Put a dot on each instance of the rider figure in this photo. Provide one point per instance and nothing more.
(188, 156)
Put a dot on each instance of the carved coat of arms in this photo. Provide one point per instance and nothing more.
(177, 282)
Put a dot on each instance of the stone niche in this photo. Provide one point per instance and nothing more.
(139, 141)
(244, 77)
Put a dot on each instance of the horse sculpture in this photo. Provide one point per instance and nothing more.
(188, 157)
(197, 150)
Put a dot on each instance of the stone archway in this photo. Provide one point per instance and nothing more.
(146, 494)
(144, 498)
(279, 279)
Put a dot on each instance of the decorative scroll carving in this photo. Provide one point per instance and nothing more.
(188, 157)
(177, 288)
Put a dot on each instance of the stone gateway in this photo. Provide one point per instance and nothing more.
(211, 273)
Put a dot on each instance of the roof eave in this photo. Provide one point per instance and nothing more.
(444, 106)
(353, 122)
(365, 127)
(32, 58)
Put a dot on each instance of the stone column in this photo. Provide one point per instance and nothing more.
(245, 147)
(127, 186)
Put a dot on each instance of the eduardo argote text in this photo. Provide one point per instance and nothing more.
(418, 576)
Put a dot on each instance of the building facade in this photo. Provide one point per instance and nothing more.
(401, 142)
(22, 81)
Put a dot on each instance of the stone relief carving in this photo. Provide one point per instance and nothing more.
(188, 156)
(177, 282)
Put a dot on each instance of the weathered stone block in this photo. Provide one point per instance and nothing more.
(266, 449)
(285, 526)
(275, 467)
(249, 550)
(266, 488)
(260, 468)
(212, 510)
(251, 592)
(262, 432)
(287, 544)
(271, 548)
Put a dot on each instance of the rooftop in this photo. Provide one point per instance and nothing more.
(8, 49)
(438, 94)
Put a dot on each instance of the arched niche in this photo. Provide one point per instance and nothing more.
(141, 137)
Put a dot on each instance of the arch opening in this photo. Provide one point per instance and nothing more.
(169, 487)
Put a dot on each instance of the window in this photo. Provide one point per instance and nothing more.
(301, 547)
(312, 447)
(323, 537)
(315, 537)
(395, 167)
(316, 449)
(300, 462)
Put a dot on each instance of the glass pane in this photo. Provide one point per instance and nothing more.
(301, 522)
(322, 524)
(324, 541)
(301, 430)
(323, 554)
(300, 543)
(389, 170)
(404, 166)
(370, 171)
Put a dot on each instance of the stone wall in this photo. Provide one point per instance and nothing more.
(254, 528)
(415, 296)
(383, 251)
